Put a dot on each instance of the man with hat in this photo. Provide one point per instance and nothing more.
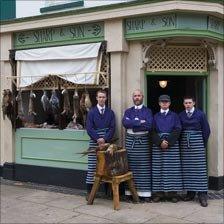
(194, 137)
(166, 165)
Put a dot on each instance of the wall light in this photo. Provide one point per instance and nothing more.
(163, 83)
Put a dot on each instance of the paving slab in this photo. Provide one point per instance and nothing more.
(83, 218)
(15, 191)
(20, 212)
(167, 219)
(8, 206)
(133, 214)
(100, 208)
(20, 204)
(207, 215)
(41, 196)
(216, 203)
(176, 210)
(55, 215)
(68, 202)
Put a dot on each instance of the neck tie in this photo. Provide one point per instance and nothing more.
(189, 114)
(101, 111)
(163, 113)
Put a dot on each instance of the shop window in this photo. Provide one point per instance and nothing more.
(49, 118)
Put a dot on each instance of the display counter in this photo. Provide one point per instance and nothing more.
(51, 148)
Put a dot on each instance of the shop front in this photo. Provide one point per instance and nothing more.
(57, 72)
(180, 58)
(149, 46)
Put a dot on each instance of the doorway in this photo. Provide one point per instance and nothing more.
(177, 87)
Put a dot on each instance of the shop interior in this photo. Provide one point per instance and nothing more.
(176, 87)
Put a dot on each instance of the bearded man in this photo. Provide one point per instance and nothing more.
(138, 123)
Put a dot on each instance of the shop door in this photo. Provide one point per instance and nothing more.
(177, 87)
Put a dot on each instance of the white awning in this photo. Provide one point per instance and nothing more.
(75, 63)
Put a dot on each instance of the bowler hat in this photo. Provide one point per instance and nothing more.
(164, 98)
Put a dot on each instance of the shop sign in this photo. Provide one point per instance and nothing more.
(215, 25)
(150, 23)
(178, 23)
(59, 35)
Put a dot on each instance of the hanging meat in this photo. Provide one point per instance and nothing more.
(66, 102)
(83, 108)
(20, 105)
(54, 102)
(31, 110)
(75, 105)
(88, 103)
(7, 104)
(45, 102)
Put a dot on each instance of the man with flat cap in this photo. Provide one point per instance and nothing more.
(166, 164)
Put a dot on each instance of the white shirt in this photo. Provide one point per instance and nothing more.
(191, 111)
(100, 108)
(164, 111)
(139, 106)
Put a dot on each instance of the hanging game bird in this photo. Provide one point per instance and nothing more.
(76, 105)
(45, 102)
(7, 104)
(54, 102)
(66, 102)
(19, 100)
(31, 110)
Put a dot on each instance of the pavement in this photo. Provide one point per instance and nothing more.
(22, 203)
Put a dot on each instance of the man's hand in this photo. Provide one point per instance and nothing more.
(164, 144)
(100, 142)
(142, 121)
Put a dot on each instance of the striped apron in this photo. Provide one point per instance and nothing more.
(139, 161)
(166, 168)
(92, 157)
(193, 157)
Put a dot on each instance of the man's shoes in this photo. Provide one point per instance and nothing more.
(190, 196)
(127, 198)
(156, 199)
(148, 200)
(174, 199)
(145, 199)
(203, 199)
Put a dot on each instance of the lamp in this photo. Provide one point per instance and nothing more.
(163, 83)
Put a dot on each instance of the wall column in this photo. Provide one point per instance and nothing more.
(7, 151)
(118, 48)
(216, 120)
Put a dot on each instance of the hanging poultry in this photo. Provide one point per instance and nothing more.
(76, 105)
(66, 102)
(31, 110)
(7, 104)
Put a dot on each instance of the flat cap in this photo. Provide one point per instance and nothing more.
(164, 98)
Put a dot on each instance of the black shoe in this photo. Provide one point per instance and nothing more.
(190, 196)
(128, 198)
(203, 200)
(174, 199)
(145, 199)
(156, 199)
